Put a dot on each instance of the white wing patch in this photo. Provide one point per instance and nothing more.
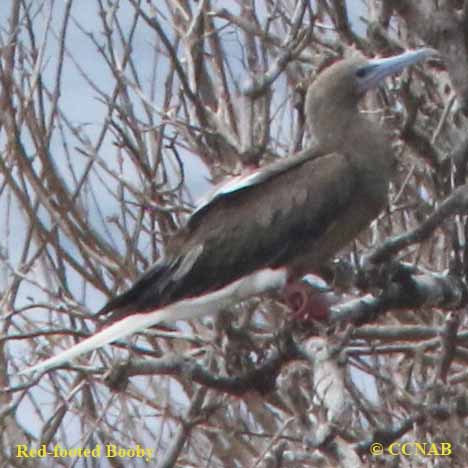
(232, 185)
(257, 177)
(188, 262)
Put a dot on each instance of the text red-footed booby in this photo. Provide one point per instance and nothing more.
(259, 231)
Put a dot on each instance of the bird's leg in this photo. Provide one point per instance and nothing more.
(305, 301)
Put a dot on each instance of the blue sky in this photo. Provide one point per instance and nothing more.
(82, 106)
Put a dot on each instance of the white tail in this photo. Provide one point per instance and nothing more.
(120, 329)
(256, 283)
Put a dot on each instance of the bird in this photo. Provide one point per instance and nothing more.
(262, 231)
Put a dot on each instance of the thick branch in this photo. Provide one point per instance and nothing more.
(406, 291)
(456, 203)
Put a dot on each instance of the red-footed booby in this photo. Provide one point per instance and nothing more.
(261, 231)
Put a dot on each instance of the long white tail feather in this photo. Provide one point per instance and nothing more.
(256, 283)
(118, 330)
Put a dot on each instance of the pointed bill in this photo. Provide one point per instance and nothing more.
(373, 72)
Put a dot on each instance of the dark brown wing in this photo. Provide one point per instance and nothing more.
(259, 177)
(265, 225)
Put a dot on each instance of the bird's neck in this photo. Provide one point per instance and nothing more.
(345, 130)
(368, 147)
(330, 124)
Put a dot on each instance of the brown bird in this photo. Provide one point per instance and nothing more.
(264, 230)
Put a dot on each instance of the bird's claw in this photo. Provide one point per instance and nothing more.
(305, 302)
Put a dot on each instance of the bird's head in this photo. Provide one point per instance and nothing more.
(335, 93)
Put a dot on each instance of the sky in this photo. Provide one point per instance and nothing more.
(82, 106)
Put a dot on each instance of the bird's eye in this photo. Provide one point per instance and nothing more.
(361, 72)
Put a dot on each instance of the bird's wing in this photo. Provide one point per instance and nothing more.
(265, 225)
(239, 183)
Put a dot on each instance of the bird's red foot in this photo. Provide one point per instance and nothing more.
(305, 302)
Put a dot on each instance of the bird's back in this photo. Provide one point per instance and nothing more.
(287, 219)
